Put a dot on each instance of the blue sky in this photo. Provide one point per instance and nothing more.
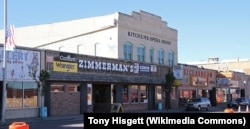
(206, 28)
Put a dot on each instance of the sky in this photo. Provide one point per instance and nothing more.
(206, 28)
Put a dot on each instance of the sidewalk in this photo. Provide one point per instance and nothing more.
(46, 119)
(80, 116)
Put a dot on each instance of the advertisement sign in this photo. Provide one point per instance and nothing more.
(20, 64)
(67, 57)
(198, 81)
(144, 68)
(224, 82)
(178, 71)
(65, 66)
(89, 92)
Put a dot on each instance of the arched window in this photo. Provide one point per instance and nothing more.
(141, 53)
(151, 55)
(160, 56)
(128, 51)
(171, 58)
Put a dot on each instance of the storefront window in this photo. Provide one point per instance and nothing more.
(22, 94)
(158, 93)
(234, 93)
(125, 94)
(57, 88)
(134, 94)
(30, 94)
(143, 92)
(221, 95)
(173, 93)
(72, 88)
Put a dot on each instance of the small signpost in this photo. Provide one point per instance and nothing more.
(117, 108)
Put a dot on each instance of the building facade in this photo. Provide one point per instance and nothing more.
(84, 83)
(196, 82)
(233, 74)
(22, 90)
(95, 62)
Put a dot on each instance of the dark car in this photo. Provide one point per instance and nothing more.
(198, 104)
(239, 102)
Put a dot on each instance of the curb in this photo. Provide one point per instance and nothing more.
(44, 120)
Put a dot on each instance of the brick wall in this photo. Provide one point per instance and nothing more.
(65, 103)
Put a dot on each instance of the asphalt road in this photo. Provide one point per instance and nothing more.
(55, 124)
(78, 123)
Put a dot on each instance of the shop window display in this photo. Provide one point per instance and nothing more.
(22, 95)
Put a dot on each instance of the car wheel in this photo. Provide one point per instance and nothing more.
(208, 107)
(199, 108)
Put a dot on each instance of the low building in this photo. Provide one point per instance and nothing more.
(233, 73)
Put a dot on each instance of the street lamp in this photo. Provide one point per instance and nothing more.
(197, 87)
(244, 82)
(60, 48)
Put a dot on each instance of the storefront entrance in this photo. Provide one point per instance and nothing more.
(101, 97)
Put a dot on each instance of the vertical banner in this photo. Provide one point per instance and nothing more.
(178, 71)
(89, 94)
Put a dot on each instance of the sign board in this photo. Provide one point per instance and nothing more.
(117, 108)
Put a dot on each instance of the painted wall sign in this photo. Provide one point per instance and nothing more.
(149, 38)
(21, 64)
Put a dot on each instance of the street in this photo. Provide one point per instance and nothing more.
(78, 123)
(55, 124)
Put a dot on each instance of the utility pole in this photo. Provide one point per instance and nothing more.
(4, 65)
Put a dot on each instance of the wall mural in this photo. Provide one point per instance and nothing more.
(20, 64)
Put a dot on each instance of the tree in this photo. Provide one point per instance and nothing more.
(41, 81)
(168, 87)
(43, 77)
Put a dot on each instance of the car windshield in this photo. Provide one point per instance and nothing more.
(196, 100)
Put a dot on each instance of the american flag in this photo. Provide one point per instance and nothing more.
(10, 43)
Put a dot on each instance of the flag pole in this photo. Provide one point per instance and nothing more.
(4, 65)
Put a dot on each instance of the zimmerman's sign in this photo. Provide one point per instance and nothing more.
(111, 66)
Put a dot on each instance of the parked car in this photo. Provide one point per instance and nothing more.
(243, 101)
(198, 104)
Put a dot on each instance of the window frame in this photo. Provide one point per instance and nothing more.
(128, 51)
(171, 58)
(141, 53)
(151, 55)
(160, 56)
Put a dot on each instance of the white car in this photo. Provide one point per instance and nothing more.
(198, 104)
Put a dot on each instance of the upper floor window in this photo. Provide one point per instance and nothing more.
(151, 55)
(160, 56)
(128, 51)
(141, 53)
(170, 58)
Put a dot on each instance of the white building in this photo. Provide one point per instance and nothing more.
(141, 36)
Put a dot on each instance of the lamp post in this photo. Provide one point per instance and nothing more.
(197, 87)
(60, 48)
(244, 82)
